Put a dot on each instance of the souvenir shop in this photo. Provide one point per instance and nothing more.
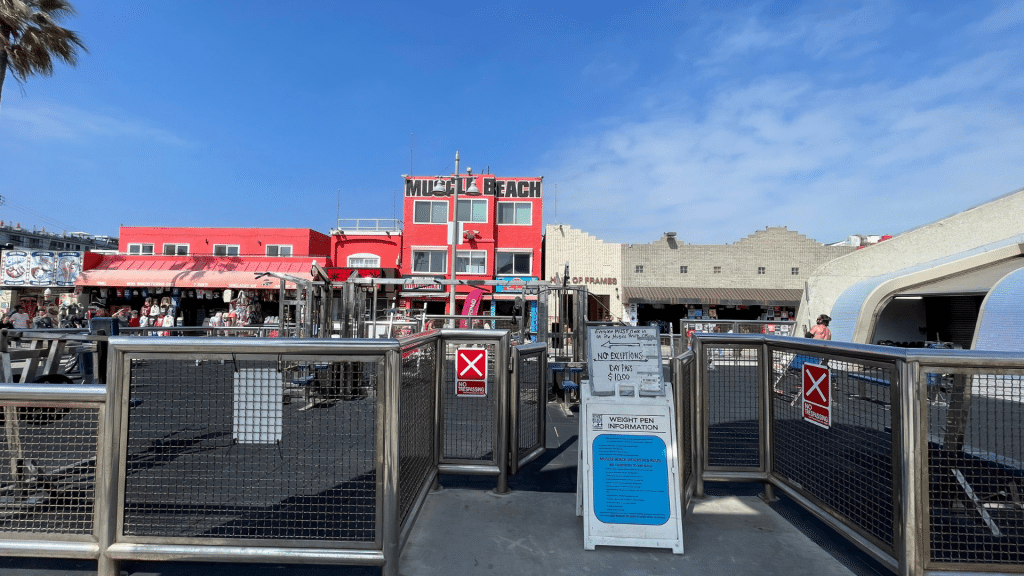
(173, 306)
(41, 282)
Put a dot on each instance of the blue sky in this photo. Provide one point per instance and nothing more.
(713, 119)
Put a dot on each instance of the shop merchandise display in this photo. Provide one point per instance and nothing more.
(171, 307)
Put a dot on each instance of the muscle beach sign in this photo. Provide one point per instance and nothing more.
(488, 186)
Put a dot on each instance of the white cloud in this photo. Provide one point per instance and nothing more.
(1009, 15)
(874, 158)
(47, 121)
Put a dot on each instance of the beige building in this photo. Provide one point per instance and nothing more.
(760, 277)
(932, 283)
(592, 262)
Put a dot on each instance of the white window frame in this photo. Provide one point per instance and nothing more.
(469, 255)
(514, 211)
(227, 249)
(472, 202)
(513, 252)
(363, 256)
(444, 260)
(279, 247)
(177, 249)
(447, 209)
(140, 249)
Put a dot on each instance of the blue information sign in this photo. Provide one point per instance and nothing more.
(630, 479)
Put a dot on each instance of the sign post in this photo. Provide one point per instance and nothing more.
(817, 395)
(628, 482)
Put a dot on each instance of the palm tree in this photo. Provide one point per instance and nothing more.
(30, 38)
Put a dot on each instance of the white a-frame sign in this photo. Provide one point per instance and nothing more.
(628, 480)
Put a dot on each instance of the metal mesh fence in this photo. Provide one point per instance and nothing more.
(468, 422)
(47, 468)
(975, 468)
(528, 434)
(216, 449)
(849, 466)
(416, 422)
(732, 407)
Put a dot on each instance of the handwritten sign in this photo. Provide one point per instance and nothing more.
(625, 358)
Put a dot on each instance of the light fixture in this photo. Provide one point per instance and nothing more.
(439, 187)
(472, 190)
(908, 297)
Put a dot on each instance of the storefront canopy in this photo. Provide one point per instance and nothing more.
(717, 296)
(193, 272)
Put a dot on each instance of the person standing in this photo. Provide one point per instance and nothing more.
(820, 330)
(19, 320)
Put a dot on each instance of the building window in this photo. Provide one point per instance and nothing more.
(471, 262)
(140, 249)
(760, 269)
(472, 210)
(430, 261)
(430, 212)
(279, 250)
(175, 249)
(794, 271)
(514, 263)
(639, 269)
(520, 213)
(225, 250)
(364, 261)
(683, 269)
(718, 270)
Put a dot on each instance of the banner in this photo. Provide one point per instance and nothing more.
(40, 268)
(471, 306)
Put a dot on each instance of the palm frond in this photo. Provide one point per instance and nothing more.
(32, 39)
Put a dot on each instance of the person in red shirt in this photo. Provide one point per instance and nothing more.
(133, 322)
(820, 330)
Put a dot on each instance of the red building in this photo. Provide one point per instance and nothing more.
(499, 235)
(371, 247)
(194, 274)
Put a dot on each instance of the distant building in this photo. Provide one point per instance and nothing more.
(499, 238)
(40, 268)
(24, 239)
(202, 272)
(959, 280)
(760, 277)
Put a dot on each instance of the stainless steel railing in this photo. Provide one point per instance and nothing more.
(922, 467)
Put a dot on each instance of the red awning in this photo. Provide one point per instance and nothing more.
(193, 272)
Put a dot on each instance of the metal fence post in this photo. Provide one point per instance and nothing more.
(440, 351)
(108, 467)
(911, 471)
(699, 412)
(765, 395)
(392, 434)
(504, 391)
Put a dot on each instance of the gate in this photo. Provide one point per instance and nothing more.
(529, 394)
(473, 436)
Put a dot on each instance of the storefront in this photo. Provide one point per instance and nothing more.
(190, 291)
(670, 305)
(40, 282)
